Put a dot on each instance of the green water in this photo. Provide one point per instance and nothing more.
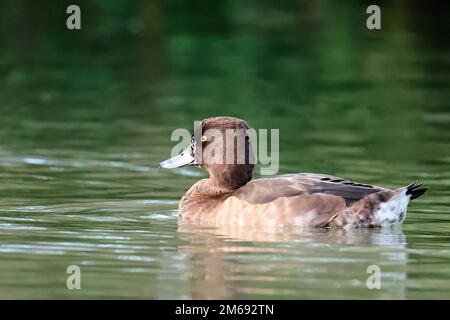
(85, 116)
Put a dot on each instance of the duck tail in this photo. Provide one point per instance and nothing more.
(415, 190)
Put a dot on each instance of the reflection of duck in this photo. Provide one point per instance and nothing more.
(303, 199)
(390, 237)
(230, 262)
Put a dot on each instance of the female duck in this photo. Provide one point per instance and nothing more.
(303, 199)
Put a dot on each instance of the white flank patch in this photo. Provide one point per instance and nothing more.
(393, 211)
(306, 219)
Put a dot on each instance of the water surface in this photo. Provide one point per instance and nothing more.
(86, 116)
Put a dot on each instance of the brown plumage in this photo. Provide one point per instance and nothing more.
(304, 199)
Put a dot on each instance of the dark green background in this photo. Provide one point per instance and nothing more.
(85, 116)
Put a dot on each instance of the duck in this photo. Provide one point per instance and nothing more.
(229, 196)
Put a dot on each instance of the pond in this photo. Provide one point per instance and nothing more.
(86, 116)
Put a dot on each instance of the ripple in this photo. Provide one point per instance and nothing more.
(158, 201)
(29, 249)
(161, 216)
(189, 172)
(136, 270)
(135, 258)
(106, 237)
(42, 209)
(37, 161)
(107, 219)
(18, 219)
(11, 226)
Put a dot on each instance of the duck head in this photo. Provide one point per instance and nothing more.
(220, 145)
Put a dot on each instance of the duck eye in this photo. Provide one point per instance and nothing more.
(203, 138)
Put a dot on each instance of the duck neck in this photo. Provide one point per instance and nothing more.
(206, 194)
(213, 188)
(228, 179)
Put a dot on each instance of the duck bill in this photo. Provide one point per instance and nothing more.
(183, 159)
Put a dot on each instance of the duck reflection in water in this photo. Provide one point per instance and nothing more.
(232, 263)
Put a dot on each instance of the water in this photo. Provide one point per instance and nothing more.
(86, 116)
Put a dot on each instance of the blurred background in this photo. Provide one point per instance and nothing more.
(86, 116)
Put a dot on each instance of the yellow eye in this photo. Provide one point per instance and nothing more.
(204, 138)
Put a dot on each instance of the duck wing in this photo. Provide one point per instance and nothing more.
(269, 189)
